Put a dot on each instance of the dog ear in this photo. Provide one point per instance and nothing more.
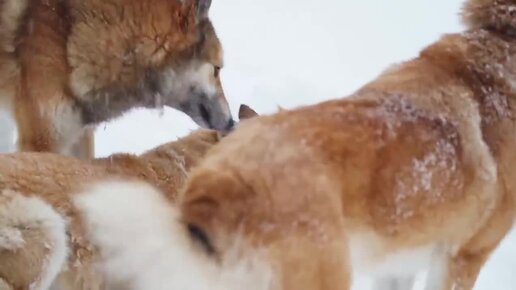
(203, 7)
(245, 112)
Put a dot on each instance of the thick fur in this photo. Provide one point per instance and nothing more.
(54, 180)
(31, 233)
(68, 65)
(39, 190)
(496, 15)
(142, 255)
(416, 170)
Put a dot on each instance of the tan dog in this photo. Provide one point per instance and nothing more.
(69, 65)
(416, 170)
(42, 235)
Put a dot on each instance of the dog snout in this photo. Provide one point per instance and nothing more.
(217, 117)
(209, 112)
(215, 112)
(230, 125)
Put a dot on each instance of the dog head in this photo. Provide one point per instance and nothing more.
(126, 54)
(196, 88)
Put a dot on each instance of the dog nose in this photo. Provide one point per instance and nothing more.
(230, 125)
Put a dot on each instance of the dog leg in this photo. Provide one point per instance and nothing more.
(466, 266)
(391, 283)
(85, 147)
(461, 270)
(437, 275)
(458, 272)
(35, 132)
(4, 285)
(7, 133)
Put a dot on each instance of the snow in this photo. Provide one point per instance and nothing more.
(295, 52)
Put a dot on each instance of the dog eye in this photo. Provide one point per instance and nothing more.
(200, 236)
(216, 71)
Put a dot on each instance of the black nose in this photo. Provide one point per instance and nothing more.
(230, 125)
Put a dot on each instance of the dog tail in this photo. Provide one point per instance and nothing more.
(33, 242)
(496, 15)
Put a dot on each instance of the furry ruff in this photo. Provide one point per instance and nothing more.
(32, 231)
(498, 15)
(135, 228)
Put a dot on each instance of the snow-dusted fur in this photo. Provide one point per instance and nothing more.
(416, 170)
(498, 15)
(24, 220)
(144, 246)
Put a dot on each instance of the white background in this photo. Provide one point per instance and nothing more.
(296, 52)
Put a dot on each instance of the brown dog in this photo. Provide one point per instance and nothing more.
(69, 65)
(42, 235)
(416, 170)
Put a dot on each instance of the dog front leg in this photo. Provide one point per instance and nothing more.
(394, 283)
(85, 147)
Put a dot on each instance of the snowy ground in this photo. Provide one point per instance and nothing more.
(294, 52)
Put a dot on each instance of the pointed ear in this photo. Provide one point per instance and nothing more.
(203, 7)
(245, 112)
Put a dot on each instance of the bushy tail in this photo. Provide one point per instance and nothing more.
(143, 244)
(497, 15)
(33, 242)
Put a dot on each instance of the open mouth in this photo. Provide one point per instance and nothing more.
(205, 114)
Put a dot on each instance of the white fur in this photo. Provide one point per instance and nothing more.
(11, 239)
(436, 277)
(369, 257)
(397, 270)
(178, 84)
(202, 77)
(4, 285)
(18, 213)
(144, 246)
